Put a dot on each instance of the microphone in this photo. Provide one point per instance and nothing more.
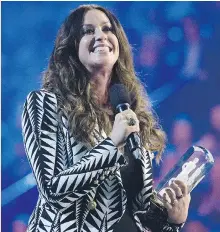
(120, 100)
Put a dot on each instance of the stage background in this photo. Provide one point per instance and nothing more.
(176, 48)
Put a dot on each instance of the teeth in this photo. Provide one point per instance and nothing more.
(102, 49)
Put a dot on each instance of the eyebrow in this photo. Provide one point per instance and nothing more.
(93, 25)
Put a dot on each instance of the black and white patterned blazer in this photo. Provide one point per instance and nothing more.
(80, 190)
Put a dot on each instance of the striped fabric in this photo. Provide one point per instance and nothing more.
(80, 190)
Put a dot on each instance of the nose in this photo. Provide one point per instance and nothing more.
(100, 35)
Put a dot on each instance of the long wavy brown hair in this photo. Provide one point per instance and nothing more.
(67, 77)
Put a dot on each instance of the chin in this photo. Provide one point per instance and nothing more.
(102, 66)
(103, 63)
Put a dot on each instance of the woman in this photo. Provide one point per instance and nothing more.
(75, 144)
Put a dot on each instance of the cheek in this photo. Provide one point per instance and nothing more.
(83, 47)
(114, 41)
(117, 51)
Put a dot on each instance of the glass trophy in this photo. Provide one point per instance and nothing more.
(191, 169)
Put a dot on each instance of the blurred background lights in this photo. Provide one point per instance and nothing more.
(20, 223)
(172, 58)
(30, 180)
(206, 31)
(18, 188)
(175, 34)
(177, 10)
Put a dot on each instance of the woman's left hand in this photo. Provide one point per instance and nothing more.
(176, 199)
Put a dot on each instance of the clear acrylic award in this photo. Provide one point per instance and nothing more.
(191, 169)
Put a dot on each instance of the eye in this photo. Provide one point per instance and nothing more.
(88, 31)
(107, 28)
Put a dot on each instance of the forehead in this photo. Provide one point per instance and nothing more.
(95, 17)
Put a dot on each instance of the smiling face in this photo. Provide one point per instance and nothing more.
(98, 47)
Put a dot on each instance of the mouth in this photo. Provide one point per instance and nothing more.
(101, 48)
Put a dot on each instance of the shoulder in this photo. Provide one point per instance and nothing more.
(41, 93)
(41, 98)
(41, 108)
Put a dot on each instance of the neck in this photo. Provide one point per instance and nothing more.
(101, 81)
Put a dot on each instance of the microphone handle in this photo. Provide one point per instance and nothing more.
(133, 140)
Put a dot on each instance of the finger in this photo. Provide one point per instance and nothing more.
(182, 186)
(128, 116)
(177, 190)
(171, 194)
(129, 113)
(189, 197)
(131, 129)
(119, 116)
(166, 201)
(133, 124)
(134, 116)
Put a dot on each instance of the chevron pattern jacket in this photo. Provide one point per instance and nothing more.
(80, 190)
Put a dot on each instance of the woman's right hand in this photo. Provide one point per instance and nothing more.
(121, 128)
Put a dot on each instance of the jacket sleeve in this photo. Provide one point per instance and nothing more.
(45, 147)
(155, 219)
(147, 213)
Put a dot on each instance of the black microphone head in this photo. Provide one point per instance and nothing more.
(118, 95)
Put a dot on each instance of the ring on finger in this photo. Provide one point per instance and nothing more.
(131, 121)
(179, 197)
